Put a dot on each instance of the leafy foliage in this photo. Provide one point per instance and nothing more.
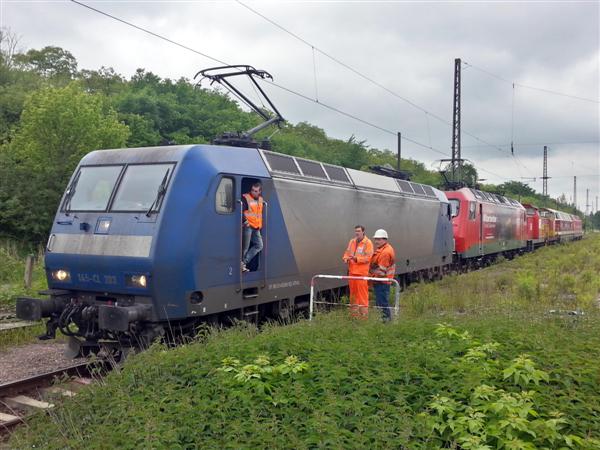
(58, 126)
(49, 62)
(494, 414)
(261, 378)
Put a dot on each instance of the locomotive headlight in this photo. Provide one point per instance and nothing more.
(139, 281)
(142, 280)
(61, 275)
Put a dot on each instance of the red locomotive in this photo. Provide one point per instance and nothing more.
(486, 224)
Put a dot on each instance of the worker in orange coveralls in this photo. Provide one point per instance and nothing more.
(358, 257)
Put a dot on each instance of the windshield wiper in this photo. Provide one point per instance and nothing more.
(71, 193)
(162, 189)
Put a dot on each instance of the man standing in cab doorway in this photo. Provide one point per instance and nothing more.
(383, 265)
(252, 243)
(358, 257)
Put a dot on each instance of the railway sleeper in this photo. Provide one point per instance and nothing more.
(26, 402)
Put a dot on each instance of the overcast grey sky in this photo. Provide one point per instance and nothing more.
(408, 47)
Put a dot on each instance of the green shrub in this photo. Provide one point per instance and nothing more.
(527, 286)
(489, 416)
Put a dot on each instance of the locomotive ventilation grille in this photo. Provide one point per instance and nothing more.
(286, 166)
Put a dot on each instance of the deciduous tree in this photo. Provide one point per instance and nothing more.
(58, 126)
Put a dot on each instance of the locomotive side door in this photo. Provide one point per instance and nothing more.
(224, 261)
(255, 277)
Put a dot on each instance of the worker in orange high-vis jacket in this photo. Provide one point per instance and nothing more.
(383, 265)
(252, 205)
(358, 257)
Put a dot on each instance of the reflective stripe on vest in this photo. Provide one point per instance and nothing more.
(254, 212)
(391, 271)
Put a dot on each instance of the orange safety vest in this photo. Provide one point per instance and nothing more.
(254, 212)
(383, 262)
(363, 251)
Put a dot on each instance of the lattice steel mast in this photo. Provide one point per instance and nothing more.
(456, 158)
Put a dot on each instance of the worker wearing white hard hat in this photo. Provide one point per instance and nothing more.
(380, 234)
(382, 266)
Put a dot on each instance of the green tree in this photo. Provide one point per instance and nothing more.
(50, 62)
(105, 81)
(58, 126)
(15, 84)
(515, 188)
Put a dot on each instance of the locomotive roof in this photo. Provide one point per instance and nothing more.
(137, 155)
(286, 166)
(559, 214)
(487, 197)
(244, 161)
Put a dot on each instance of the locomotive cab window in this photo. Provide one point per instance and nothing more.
(454, 207)
(91, 188)
(224, 201)
(472, 210)
(143, 187)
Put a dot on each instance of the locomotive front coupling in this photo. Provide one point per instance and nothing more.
(91, 318)
(118, 318)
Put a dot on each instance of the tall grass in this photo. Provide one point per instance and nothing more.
(12, 285)
(562, 277)
(12, 271)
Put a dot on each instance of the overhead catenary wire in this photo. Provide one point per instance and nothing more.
(537, 144)
(289, 90)
(364, 76)
(388, 90)
(149, 32)
(521, 85)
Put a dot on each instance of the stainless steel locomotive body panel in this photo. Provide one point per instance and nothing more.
(320, 220)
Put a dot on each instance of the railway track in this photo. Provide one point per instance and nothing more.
(21, 398)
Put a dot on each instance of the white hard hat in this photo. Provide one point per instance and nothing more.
(380, 234)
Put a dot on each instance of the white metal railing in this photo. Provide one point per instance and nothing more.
(396, 306)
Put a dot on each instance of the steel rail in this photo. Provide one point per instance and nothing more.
(35, 382)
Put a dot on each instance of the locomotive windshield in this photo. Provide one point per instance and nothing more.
(140, 185)
(91, 188)
(454, 207)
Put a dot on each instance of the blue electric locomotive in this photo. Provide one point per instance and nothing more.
(149, 239)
